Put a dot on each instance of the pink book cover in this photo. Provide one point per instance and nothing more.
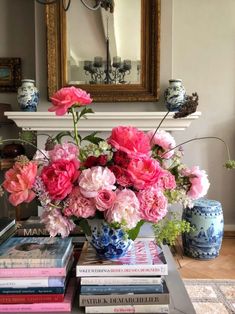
(64, 306)
(144, 258)
(36, 272)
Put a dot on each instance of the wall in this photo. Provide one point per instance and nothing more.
(197, 45)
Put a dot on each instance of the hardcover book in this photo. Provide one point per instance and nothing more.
(30, 298)
(18, 252)
(28, 282)
(64, 306)
(7, 234)
(125, 299)
(141, 308)
(119, 281)
(5, 224)
(145, 258)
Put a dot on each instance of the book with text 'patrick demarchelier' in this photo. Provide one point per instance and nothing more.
(144, 258)
(33, 252)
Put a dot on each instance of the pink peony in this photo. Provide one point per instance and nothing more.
(153, 204)
(105, 199)
(95, 179)
(78, 205)
(164, 140)
(59, 177)
(55, 223)
(19, 181)
(198, 180)
(145, 172)
(122, 176)
(130, 140)
(125, 209)
(66, 151)
(66, 97)
(167, 181)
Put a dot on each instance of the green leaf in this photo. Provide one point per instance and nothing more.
(93, 138)
(60, 135)
(133, 233)
(84, 111)
(83, 224)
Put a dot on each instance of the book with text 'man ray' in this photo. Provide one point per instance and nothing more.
(144, 258)
(34, 252)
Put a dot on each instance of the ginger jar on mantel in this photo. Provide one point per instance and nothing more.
(175, 95)
(28, 96)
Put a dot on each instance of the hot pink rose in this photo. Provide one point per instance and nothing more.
(125, 209)
(59, 177)
(79, 206)
(153, 204)
(130, 140)
(198, 180)
(19, 181)
(66, 97)
(95, 179)
(164, 141)
(145, 172)
(105, 199)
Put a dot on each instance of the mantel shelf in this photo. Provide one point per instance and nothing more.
(100, 121)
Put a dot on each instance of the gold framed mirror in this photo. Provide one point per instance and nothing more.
(63, 59)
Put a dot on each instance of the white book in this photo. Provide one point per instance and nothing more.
(107, 281)
(148, 308)
(31, 282)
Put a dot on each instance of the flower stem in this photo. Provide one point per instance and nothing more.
(24, 141)
(75, 121)
(201, 138)
(159, 125)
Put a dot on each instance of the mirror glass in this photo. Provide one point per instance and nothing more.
(113, 56)
(99, 40)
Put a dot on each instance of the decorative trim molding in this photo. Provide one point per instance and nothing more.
(100, 121)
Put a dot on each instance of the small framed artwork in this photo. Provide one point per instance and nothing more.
(10, 74)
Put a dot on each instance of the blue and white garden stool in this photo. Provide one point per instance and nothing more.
(204, 242)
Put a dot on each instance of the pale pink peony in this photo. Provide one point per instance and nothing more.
(66, 151)
(145, 172)
(105, 199)
(55, 223)
(153, 204)
(59, 177)
(66, 97)
(19, 181)
(125, 209)
(92, 180)
(198, 180)
(164, 140)
(78, 205)
(130, 140)
(167, 181)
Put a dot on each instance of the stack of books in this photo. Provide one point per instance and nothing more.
(35, 275)
(7, 228)
(131, 284)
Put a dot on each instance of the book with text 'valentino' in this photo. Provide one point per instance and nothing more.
(30, 252)
(144, 258)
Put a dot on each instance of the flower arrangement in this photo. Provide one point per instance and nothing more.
(127, 179)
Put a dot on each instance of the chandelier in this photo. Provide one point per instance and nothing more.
(106, 4)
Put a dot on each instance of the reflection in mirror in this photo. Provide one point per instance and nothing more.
(104, 47)
(113, 56)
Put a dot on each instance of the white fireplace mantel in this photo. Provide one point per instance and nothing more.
(100, 121)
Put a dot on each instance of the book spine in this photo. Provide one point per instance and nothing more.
(146, 308)
(86, 290)
(33, 272)
(123, 270)
(36, 290)
(31, 298)
(32, 282)
(121, 281)
(32, 232)
(123, 299)
(35, 307)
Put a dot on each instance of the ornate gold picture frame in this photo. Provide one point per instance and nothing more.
(10, 74)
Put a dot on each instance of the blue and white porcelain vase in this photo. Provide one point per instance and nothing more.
(175, 95)
(28, 96)
(206, 217)
(109, 243)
